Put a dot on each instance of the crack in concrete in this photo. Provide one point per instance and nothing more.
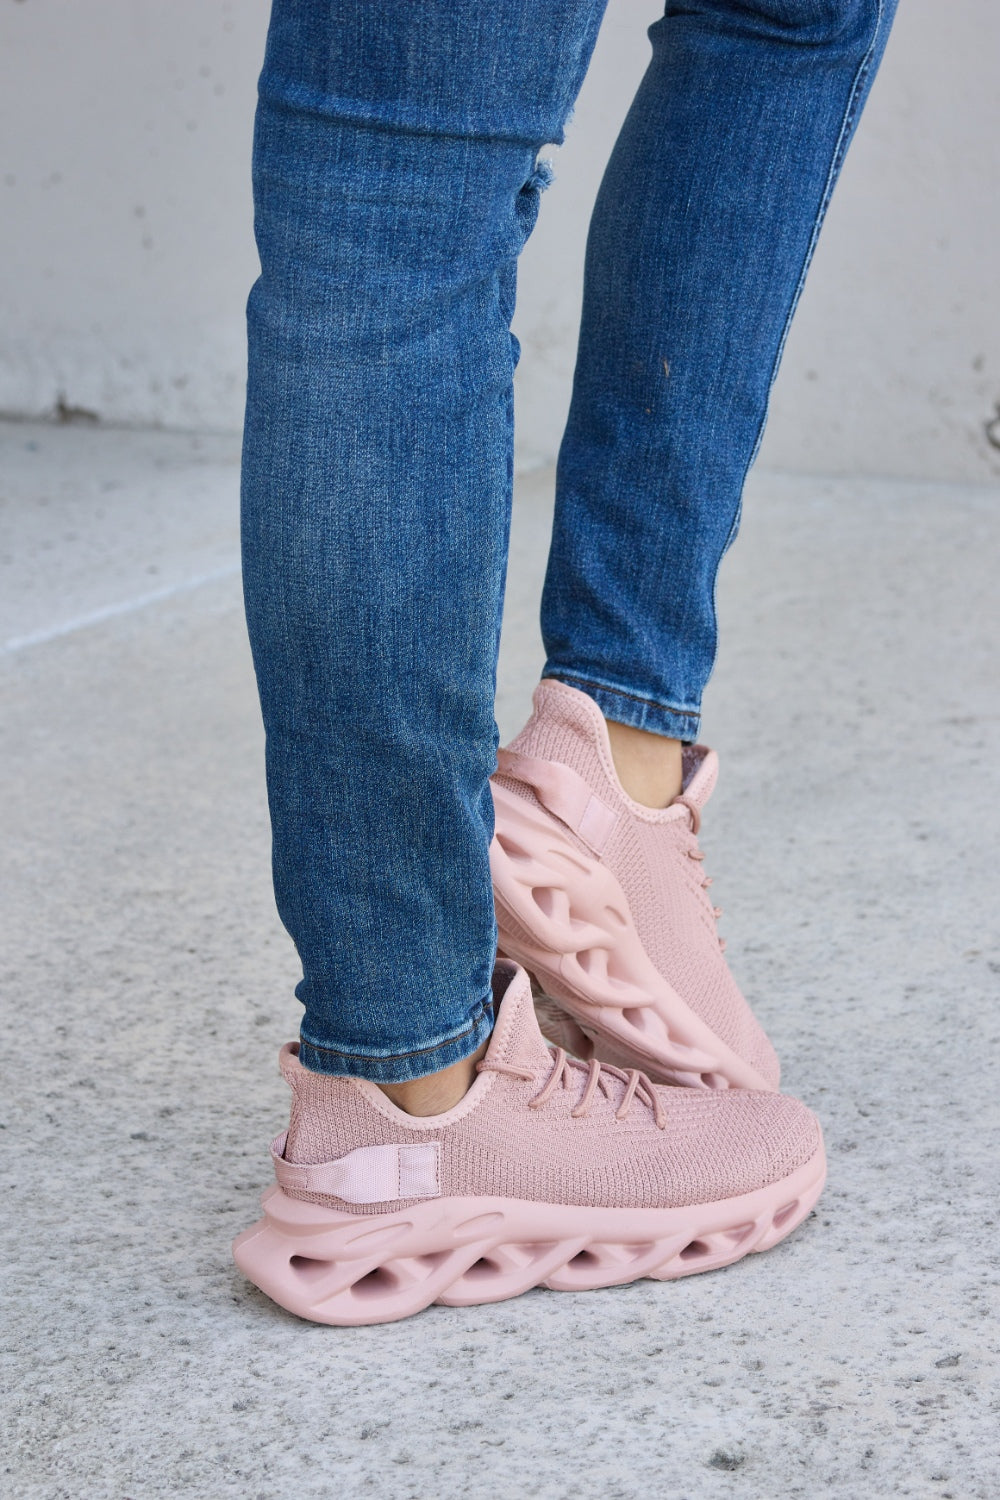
(113, 611)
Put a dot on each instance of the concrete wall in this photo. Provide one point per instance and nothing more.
(127, 251)
(127, 244)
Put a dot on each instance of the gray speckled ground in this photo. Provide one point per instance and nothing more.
(147, 987)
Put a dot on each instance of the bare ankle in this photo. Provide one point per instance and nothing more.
(435, 1093)
(649, 765)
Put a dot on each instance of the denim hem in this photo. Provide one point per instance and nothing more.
(641, 713)
(400, 1067)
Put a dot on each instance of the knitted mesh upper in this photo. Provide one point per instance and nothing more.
(716, 1145)
(648, 855)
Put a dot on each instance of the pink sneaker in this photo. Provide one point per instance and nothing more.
(550, 1172)
(605, 903)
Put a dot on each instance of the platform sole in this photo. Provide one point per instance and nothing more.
(350, 1269)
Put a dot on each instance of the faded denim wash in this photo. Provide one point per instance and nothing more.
(396, 179)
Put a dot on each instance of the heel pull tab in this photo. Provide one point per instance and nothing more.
(369, 1174)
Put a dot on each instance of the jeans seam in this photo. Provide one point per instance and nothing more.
(670, 708)
(839, 152)
(484, 1006)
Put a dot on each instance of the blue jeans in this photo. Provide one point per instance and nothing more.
(396, 181)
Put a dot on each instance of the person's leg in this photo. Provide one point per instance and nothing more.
(699, 244)
(394, 189)
(395, 183)
(701, 236)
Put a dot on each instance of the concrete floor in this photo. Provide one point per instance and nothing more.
(147, 987)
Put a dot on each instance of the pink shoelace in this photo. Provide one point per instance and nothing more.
(564, 1071)
(695, 853)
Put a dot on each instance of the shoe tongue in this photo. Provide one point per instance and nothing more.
(516, 1039)
(701, 772)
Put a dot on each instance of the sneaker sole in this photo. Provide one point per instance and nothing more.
(564, 917)
(348, 1269)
